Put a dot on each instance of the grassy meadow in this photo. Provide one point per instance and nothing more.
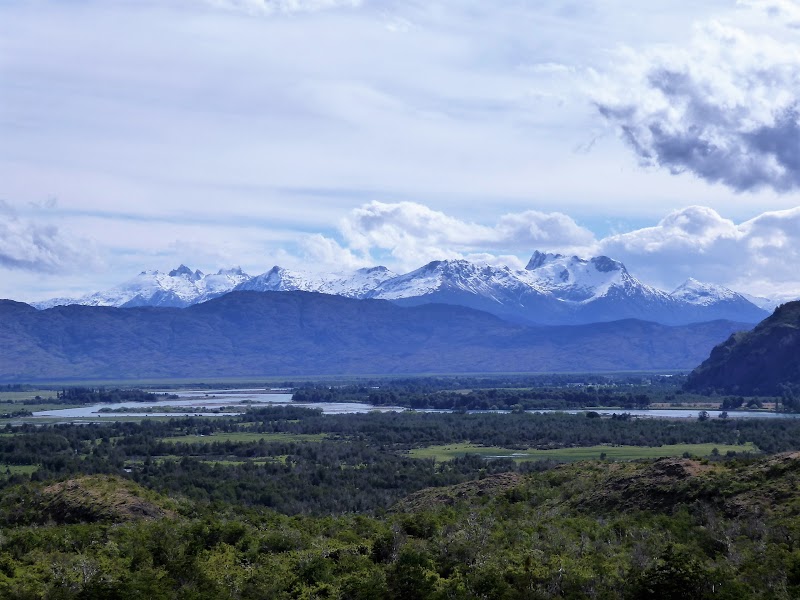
(451, 451)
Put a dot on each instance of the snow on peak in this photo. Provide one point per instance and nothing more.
(541, 258)
(452, 275)
(550, 282)
(354, 284)
(184, 271)
(768, 304)
(703, 294)
(179, 287)
(574, 279)
(605, 264)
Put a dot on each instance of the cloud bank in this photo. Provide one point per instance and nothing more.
(757, 256)
(413, 233)
(725, 108)
(37, 247)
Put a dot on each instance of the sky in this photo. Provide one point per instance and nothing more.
(329, 135)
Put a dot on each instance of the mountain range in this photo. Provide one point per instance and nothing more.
(259, 334)
(552, 290)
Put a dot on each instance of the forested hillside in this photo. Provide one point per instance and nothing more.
(763, 361)
(253, 334)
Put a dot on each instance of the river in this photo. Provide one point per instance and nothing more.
(213, 403)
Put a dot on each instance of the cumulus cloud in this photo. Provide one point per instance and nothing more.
(31, 246)
(324, 253)
(414, 233)
(757, 256)
(726, 108)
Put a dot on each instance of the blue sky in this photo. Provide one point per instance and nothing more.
(333, 134)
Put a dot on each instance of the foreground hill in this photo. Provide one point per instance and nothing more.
(764, 361)
(667, 529)
(245, 334)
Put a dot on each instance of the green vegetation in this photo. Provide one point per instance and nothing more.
(17, 469)
(20, 396)
(758, 362)
(622, 391)
(244, 436)
(283, 502)
(448, 452)
(673, 528)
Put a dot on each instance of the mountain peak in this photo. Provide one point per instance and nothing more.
(184, 271)
(352, 284)
(699, 292)
(541, 258)
(604, 264)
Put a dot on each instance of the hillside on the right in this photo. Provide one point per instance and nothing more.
(764, 361)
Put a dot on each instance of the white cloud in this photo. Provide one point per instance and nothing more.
(787, 11)
(414, 233)
(322, 253)
(757, 256)
(725, 107)
(40, 246)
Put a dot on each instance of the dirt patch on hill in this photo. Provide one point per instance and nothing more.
(655, 486)
(100, 498)
(489, 486)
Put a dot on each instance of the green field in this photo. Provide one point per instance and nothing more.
(244, 436)
(451, 451)
(17, 469)
(28, 395)
(255, 461)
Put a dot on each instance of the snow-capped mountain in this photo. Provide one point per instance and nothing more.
(768, 304)
(600, 289)
(180, 287)
(557, 289)
(452, 275)
(704, 294)
(357, 284)
(552, 289)
(578, 280)
(723, 301)
(498, 290)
